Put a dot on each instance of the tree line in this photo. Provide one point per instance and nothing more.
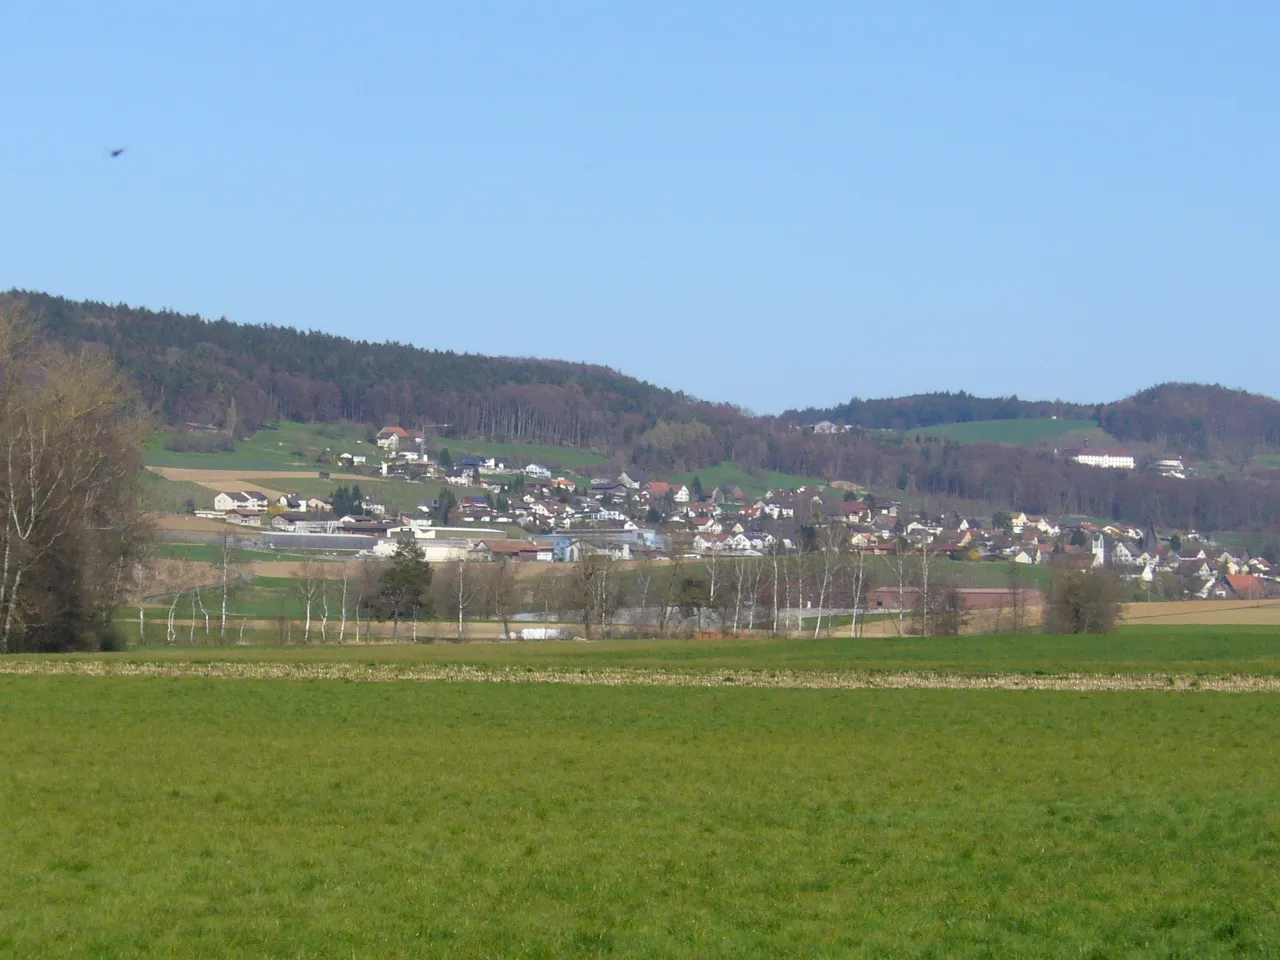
(822, 589)
(933, 409)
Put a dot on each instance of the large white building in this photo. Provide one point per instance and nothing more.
(1097, 457)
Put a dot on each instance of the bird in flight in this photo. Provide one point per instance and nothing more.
(116, 152)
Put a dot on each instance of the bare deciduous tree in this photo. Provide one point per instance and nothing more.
(831, 540)
(69, 466)
(308, 587)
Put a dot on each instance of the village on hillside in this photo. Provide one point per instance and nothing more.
(632, 515)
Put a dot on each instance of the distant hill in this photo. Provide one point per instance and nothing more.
(194, 370)
(1191, 418)
(934, 409)
(189, 369)
(1199, 419)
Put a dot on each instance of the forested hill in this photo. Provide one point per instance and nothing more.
(933, 409)
(1198, 419)
(189, 369)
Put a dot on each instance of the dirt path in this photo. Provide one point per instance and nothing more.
(622, 677)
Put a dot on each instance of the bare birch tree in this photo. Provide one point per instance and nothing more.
(831, 541)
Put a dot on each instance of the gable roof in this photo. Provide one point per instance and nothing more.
(1245, 585)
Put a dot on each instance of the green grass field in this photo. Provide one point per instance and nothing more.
(199, 818)
(1017, 432)
(753, 484)
(285, 445)
(557, 458)
(170, 496)
(1208, 651)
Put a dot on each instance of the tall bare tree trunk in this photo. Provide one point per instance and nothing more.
(461, 595)
(342, 625)
(226, 568)
(857, 593)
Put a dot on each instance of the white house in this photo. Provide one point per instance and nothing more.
(243, 500)
(398, 438)
(537, 471)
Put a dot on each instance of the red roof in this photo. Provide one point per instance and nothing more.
(1245, 585)
(512, 546)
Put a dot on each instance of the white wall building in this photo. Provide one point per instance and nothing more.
(1107, 459)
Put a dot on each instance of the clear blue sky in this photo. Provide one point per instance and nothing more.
(775, 205)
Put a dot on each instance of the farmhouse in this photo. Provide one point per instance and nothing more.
(527, 551)
(251, 500)
(393, 439)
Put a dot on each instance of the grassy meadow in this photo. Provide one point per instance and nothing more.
(196, 818)
(557, 458)
(754, 483)
(1199, 650)
(280, 445)
(159, 495)
(1020, 432)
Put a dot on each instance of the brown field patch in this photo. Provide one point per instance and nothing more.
(1204, 613)
(189, 524)
(294, 569)
(232, 480)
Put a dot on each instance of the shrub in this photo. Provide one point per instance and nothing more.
(1083, 601)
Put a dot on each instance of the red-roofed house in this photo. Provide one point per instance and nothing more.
(1244, 586)
(398, 438)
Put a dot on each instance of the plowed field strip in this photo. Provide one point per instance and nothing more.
(778, 679)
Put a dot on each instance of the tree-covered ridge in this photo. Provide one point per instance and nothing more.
(189, 369)
(934, 409)
(1199, 419)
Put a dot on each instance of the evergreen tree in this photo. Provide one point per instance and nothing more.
(403, 588)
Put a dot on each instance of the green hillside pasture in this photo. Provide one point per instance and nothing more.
(753, 483)
(200, 818)
(1190, 650)
(285, 446)
(1024, 432)
(159, 495)
(558, 458)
